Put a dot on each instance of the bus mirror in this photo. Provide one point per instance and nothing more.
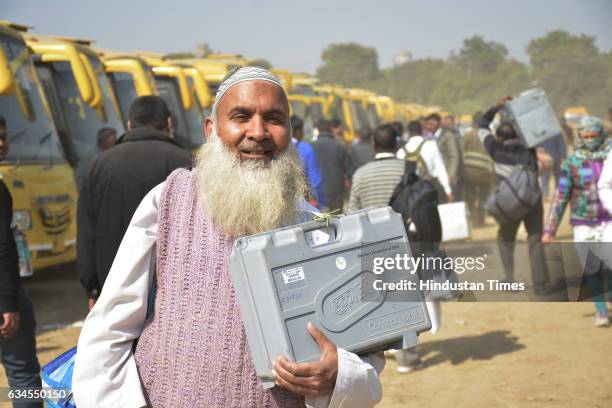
(7, 81)
(201, 88)
(63, 53)
(97, 100)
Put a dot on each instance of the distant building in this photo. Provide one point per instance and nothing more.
(402, 58)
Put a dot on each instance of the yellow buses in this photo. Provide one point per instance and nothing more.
(79, 94)
(310, 109)
(35, 171)
(129, 75)
(212, 70)
(173, 85)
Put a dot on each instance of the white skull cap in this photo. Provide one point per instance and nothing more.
(241, 75)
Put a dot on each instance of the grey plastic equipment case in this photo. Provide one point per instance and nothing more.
(282, 283)
(533, 117)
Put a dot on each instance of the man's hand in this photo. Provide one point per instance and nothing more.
(547, 237)
(310, 379)
(503, 101)
(450, 197)
(11, 324)
(90, 303)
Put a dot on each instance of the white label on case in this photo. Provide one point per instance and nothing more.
(293, 275)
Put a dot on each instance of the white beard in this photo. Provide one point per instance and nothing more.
(252, 196)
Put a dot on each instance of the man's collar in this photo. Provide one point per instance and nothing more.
(145, 134)
(437, 133)
(384, 155)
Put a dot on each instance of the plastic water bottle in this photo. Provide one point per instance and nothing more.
(25, 256)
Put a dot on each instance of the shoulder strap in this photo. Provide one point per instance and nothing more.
(409, 171)
(153, 288)
(418, 149)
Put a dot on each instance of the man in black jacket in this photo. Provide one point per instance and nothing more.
(507, 151)
(332, 155)
(17, 337)
(117, 182)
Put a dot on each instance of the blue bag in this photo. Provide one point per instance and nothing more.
(58, 373)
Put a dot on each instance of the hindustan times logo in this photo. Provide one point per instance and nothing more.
(432, 263)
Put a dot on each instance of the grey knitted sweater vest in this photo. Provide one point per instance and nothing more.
(193, 351)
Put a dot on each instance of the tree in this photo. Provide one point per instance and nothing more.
(571, 69)
(179, 55)
(349, 64)
(479, 56)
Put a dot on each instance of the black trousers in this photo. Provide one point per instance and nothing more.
(19, 353)
(506, 237)
(476, 194)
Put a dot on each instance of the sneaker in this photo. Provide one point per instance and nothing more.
(602, 319)
(416, 365)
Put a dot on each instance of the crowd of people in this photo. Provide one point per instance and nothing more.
(156, 229)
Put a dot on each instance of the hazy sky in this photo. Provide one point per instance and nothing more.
(292, 34)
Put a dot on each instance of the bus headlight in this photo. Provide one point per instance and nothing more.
(22, 220)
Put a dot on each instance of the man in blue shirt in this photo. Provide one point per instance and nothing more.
(309, 161)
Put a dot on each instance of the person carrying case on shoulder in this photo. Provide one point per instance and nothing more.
(518, 198)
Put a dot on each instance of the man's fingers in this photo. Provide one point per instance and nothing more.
(8, 319)
(9, 330)
(319, 337)
(292, 378)
(298, 369)
(297, 389)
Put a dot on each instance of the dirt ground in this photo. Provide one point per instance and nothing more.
(485, 355)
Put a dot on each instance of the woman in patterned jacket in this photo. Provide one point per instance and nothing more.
(590, 221)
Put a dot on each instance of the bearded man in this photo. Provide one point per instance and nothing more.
(191, 351)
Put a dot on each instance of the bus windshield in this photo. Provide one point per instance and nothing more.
(33, 139)
(125, 91)
(298, 108)
(357, 114)
(336, 110)
(374, 118)
(316, 111)
(195, 119)
(84, 122)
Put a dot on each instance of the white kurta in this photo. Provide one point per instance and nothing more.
(431, 157)
(105, 372)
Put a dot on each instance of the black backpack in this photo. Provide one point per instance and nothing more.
(416, 199)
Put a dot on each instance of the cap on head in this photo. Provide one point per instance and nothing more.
(243, 74)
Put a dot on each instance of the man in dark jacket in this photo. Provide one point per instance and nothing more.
(117, 182)
(17, 336)
(361, 152)
(332, 156)
(506, 151)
